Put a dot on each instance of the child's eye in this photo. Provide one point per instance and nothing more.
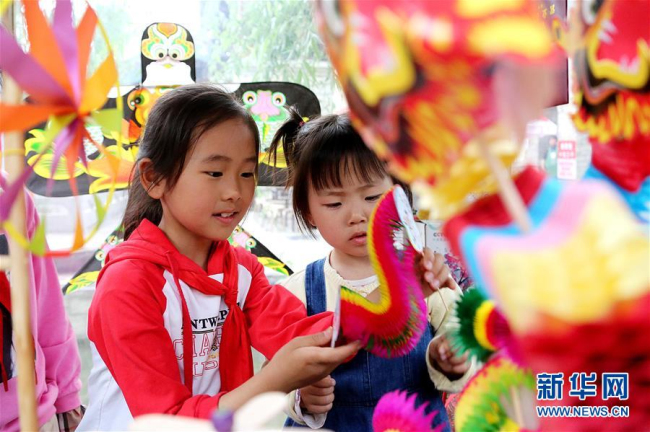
(214, 174)
(248, 175)
(373, 197)
(333, 205)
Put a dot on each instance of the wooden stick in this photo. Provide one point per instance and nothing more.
(519, 213)
(444, 303)
(507, 190)
(5, 264)
(19, 261)
(516, 404)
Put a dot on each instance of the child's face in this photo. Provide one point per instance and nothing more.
(342, 214)
(216, 186)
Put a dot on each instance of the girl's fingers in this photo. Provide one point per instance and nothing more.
(426, 272)
(318, 392)
(430, 278)
(460, 369)
(326, 382)
(320, 400)
(442, 275)
(428, 257)
(318, 409)
(336, 356)
(454, 360)
(442, 352)
(438, 263)
(439, 270)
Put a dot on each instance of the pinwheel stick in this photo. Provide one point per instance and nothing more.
(516, 403)
(517, 209)
(509, 194)
(18, 265)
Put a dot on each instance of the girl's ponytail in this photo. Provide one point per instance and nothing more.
(285, 140)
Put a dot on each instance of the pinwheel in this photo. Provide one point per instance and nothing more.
(54, 76)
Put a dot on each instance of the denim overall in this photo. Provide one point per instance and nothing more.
(361, 382)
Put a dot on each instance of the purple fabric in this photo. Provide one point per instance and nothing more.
(29, 75)
(57, 357)
(61, 144)
(66, 37)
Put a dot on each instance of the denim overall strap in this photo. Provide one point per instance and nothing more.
(315, 287)
(362, 381)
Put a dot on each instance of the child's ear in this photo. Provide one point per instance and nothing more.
(155, 189)
(310, 221)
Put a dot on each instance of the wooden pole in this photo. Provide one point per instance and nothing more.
(516, 404)
(507, 190)
(517, 208)
(5, 264)
(19, 262)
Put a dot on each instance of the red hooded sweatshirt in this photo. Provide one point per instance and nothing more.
(148, 296)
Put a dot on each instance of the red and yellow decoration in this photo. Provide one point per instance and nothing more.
(425, 83)
(611, 52)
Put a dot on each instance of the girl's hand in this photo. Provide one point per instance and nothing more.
(435, 273)
(318, 398)
(446, 360)
(305, 360)
(301, 362)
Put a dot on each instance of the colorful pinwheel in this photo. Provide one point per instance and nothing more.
(53, 74)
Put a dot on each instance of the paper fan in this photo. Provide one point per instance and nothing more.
(393, 326)
(497, 398)
(53, 74)
(396, 412)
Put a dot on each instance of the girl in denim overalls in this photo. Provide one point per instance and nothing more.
(336, 183)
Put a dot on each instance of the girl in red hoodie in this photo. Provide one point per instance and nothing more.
(177, 309)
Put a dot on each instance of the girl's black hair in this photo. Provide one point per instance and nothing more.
(176, 122)
(320, 152)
